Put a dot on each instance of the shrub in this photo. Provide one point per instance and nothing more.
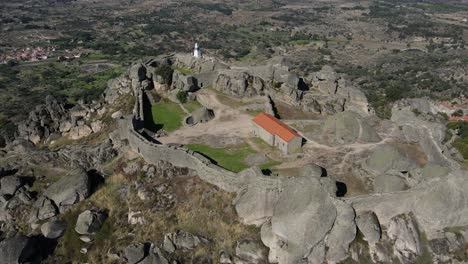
(459, 112)
(182, 96)
(165, 71)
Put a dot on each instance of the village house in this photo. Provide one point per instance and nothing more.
(276, 133)
(457, 109)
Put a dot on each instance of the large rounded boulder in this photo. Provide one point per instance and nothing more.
(347, 128)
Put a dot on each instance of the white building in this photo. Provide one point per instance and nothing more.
(196, 51)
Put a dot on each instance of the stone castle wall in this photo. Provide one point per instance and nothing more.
(179, 157)
(132, 129)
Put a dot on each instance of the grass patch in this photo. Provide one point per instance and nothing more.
(167, 115)
(183, 70)
(425, 256)
(71, 244)
(230, 158)
(192, 105)
(299, 42)
(269, 165)
(460, 144)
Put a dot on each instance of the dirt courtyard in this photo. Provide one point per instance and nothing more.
(228, 122)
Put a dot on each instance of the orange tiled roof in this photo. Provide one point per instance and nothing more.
(275, 126)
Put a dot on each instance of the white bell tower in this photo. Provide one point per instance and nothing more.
(197, 51)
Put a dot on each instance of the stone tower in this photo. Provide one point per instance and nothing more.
(197, 51)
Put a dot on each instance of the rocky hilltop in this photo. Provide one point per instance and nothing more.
(324, 92)
(93, 182)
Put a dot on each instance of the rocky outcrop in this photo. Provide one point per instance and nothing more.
(70, 189)
(53, 229)
(388, 159)
(117, 87)
(184, 82)
(42, 209)
(299, 217)
(239, 84)
(347, 128)
(201, 115)
(369, 225)
(89, 222)
(312, 170)
(182, 240)
(385, 183)
(44, 122)
(250, 252)
(436, 204)
(146, 253)
(9, 185)
(18, 249)
(53, 119)
(420, 123)
(405, 235)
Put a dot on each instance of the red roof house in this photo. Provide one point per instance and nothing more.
(276, 133)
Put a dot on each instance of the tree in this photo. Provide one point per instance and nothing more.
(459, 112)
(165, 71)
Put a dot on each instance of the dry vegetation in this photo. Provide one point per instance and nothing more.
(200, 208)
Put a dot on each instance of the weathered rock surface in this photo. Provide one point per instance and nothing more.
(145, 253)
(342, 233)
(183, 82)
(9, 185)
(347, 128)
(43, 121)
(52, 120)
(256, 212)
(43, 209)
(54, 229)
(18, 249)
(312, 170)
(70, 189)
(182, 240)
(201, 115)
(388, 159)
(239, 83)
(89, 222)
(304, 205)
(437, 204)
(369, 225)
(386, 183)
(419, 123)
(250, 251)
(405, 235)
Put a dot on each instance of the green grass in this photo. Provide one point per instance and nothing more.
(71, 243)
(299, 42)
(192, 105)
(231, 158)
(183, 70)
(167, 115)
(460, 144)
(425, 256)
